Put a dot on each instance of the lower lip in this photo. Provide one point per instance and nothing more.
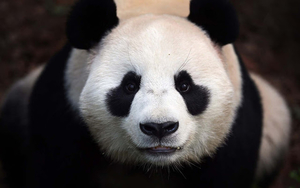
(162, 150)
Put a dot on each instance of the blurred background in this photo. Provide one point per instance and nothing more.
(31, 31)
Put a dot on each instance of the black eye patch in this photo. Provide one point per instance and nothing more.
(196, 97)
(119, 99)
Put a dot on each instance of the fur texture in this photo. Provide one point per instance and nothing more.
(86, 108)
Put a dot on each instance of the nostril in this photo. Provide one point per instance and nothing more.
(170, 127)
(149, 128)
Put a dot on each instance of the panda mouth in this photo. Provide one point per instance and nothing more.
(162, 149)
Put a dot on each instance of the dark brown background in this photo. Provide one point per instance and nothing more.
(31, 31)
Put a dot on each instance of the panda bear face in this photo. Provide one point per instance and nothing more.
(157, 92)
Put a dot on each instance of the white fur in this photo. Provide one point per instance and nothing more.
(76, 75)
(276, 128)
(155, 47)
(232, 66)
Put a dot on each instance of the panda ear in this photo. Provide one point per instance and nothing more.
(89, 20)
(217, 17)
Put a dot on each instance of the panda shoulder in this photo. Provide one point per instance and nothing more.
(14, 107)
(276, 127)
(20, 92)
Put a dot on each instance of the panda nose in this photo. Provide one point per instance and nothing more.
(159, 129)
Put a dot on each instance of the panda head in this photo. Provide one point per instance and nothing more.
(157, 91)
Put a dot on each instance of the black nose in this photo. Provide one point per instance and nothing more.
(159, 129)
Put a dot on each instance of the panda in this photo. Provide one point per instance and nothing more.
(152, 100)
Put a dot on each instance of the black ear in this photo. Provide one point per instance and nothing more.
(217, 17)
(89, 20)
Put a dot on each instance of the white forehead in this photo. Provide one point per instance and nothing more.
(156, 43)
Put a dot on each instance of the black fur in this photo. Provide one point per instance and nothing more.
(14, 139)
(89, 21)
(196, 98)
(119, 100)
(217, 17)
(62, 153)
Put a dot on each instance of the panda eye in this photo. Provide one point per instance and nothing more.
(131, 87)
(183, 87)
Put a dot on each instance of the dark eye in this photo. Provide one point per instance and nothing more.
(183, 87)
(131, 87)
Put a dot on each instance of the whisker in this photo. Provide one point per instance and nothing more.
(193, 164)
(185, 62)
(130, 58)
(168, 172)
(149, 168)
(178, 169)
